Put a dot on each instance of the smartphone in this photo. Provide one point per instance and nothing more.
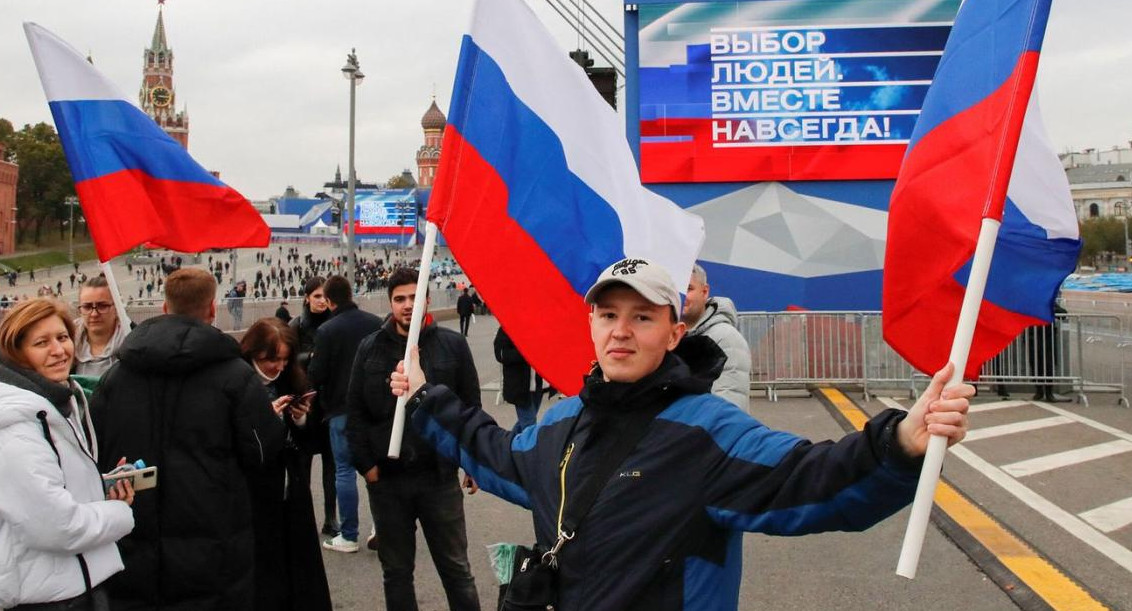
(141, 479)
(308, 396)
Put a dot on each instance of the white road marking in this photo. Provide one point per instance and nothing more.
(1086, 421)
(1017, 427)
(1071, 523)
(1067, 458)
(1108, 518)
(988, 407)
(890, 402)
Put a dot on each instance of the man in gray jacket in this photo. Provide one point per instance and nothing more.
(716, 318)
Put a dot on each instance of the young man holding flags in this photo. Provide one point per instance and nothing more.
(666, 524)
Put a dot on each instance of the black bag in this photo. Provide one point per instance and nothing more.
(534, 584)
(534, 579)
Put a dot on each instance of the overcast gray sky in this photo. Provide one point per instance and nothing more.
(269, 107)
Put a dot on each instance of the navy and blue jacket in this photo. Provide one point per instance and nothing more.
(666, 530)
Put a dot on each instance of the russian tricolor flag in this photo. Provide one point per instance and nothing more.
(537, 190)
(979, 150)
(135, 183)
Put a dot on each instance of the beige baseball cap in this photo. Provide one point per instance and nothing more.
(647, 278)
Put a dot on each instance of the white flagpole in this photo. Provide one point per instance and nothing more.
(414, 335)
(937, 445)
(119, 305)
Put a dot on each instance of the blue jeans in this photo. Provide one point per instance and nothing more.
(345, 479)
(528, 414)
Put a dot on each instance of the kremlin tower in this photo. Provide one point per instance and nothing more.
(428, 156)
(158, 96)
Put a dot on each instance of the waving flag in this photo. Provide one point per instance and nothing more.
(979, 150)
(537, 190)
(135, 183)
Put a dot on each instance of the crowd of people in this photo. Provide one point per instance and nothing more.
(232, 427)
(279, 274)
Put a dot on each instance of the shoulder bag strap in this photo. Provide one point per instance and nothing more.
(42, 416)
(577, 507)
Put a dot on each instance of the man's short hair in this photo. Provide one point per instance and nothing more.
(699, 274)
(97, 282)
(337, 291)
(190, 292)
(402, 276)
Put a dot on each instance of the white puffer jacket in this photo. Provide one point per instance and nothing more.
(52, 508)
(721, 323)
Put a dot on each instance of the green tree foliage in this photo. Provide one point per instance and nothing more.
(400, 181)
(45, 180)
(1100, 238)
(6, 133)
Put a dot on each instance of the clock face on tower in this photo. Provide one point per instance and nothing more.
(160, 96)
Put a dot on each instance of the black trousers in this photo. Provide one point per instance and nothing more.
(398, 503)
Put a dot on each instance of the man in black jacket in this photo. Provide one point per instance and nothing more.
(335, 344)
(465, 307)
(419, 486)
(183, 400)
(522, 387)
(666, 529)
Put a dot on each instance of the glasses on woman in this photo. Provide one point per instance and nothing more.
(101, 307)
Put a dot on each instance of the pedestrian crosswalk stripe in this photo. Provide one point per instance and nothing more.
(1016, 427)
(1111, 517)
(1054, 587)
(1068, 458)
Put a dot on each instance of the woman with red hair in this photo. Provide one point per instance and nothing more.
(289, 569)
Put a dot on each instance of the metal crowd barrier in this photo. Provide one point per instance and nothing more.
(1077, 355)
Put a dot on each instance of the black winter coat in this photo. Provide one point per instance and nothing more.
(335, 345)
(464, 305)
(306, 326)
(290, 574)
(445, 358)
(516, 371)
(183, 400)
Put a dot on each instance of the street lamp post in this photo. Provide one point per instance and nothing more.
(402, 208)
(354, 74)
(71, 202)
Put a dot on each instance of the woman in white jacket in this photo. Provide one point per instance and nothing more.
(57, 525)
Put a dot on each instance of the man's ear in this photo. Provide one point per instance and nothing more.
(678, 331)
(164, 308)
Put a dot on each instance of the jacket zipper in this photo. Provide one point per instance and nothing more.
(562, 482)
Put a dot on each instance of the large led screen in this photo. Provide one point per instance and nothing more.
(386, 216)
(784, 90)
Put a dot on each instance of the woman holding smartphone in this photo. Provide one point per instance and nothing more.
(289, 570)
(306, 324)
(58, 524)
